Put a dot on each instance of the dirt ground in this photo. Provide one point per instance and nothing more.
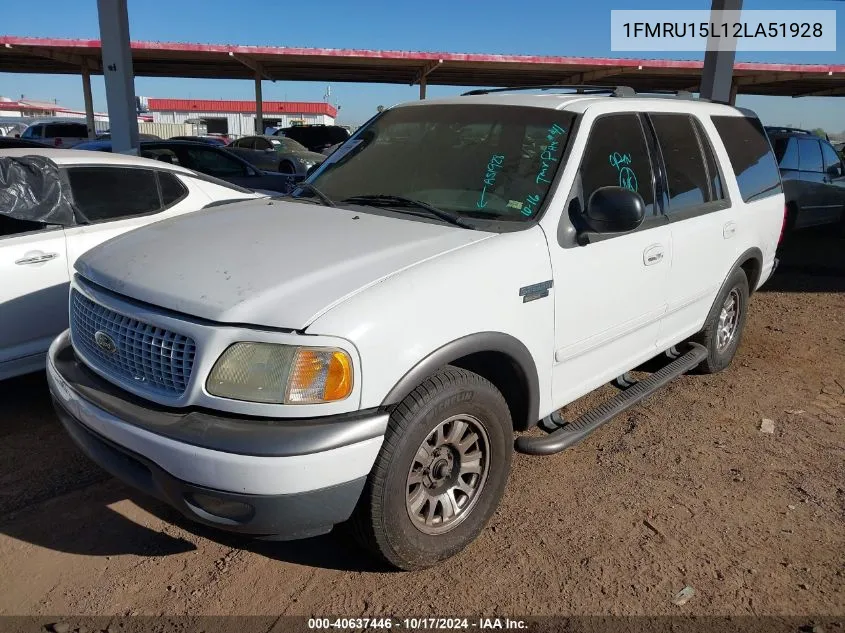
(683, 490)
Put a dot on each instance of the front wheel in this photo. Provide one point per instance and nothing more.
(723, 329)
(441, 471)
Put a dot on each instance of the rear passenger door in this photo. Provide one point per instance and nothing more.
(701, 222)
(610, 294)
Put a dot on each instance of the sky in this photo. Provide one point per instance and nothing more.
(540, 27)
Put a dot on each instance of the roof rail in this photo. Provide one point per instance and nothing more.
(776, 129)
(614, 91)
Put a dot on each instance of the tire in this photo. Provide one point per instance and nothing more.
(403, 473)
(721, 355)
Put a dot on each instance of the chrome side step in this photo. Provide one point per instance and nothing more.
(571, 433)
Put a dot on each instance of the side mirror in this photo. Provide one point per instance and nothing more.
(614, 210)
(835, 171)
(312, 169)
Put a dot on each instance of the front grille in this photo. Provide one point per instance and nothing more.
(153, 359)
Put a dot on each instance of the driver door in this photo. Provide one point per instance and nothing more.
(610, 294)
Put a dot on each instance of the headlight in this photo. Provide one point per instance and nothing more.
(281, 374)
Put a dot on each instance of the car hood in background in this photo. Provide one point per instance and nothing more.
(269, 263)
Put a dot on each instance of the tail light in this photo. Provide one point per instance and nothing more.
(58, 141)
(783, 226)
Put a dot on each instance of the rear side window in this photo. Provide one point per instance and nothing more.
(617, 155)
(810, 155)
(111, 193)
(172, 189)
(751, 156)
(67, 129)
(786, 152)
(686, 175)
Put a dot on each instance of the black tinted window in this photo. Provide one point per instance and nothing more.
(33, 131)
(686, 176)
(786, 152)
(751, 156)
(829, 155)
(172, 189)
(67, 129)
(110, 193)
(211, 162)
(810, 155)
(617, 155)
(717, 190)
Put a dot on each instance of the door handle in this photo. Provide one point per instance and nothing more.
(729, 230)
(36, 257)
(653, 255)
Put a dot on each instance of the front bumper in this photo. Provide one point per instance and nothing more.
(271, 478)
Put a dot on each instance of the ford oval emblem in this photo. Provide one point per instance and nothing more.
(105, 342)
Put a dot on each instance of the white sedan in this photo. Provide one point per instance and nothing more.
(111, 194)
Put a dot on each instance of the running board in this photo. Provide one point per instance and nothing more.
(573, 432)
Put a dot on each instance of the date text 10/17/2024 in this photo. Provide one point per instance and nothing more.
(418, 624)
(707, 30)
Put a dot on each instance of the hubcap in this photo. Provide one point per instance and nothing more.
(728, 319)
(447, 474)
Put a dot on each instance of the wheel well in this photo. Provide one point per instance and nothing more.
(507, 376)
(751, 267)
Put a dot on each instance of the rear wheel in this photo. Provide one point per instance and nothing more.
(441, 471)
(723, 329)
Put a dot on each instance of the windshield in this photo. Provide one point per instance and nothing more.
(485, 161)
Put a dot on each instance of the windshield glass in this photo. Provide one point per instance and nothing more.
(484, 161)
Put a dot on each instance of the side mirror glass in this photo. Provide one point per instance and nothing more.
(835, 171)
(614, 210)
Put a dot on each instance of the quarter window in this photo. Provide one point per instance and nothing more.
(109, 193)
(751, 156)
(172, 189)
(810, 155)
(617, 155)
(686, 176)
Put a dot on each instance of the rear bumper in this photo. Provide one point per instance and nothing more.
(284, 497)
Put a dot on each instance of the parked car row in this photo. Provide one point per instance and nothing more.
(107, 195)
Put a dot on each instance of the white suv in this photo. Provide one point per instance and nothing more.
(458, 270)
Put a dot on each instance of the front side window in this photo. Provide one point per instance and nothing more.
(751, 156)
(831, 158)
(111, 193)
(617, 155)
(810, 155)
(72, 130)
(686, 175)
(212, 163)
(486, 161)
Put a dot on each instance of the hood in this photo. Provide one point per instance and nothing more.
(269, 263)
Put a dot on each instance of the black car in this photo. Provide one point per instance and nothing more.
(8, 142)
(317, 138)
(813, 178)
(208, 159)
(210, 140)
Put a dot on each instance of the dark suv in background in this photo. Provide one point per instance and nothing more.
(317, 137)
(813, 177)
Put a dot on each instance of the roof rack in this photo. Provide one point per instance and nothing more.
(613, 91)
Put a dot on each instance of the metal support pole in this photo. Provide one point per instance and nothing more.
(422, 87)
(259, 106)
(717, 74)
(89, 101)
(734, 90)
(118, 74)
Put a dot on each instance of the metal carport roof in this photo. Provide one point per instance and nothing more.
(221, 61)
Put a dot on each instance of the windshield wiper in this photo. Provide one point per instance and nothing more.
(323, 197)
(384, 200)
